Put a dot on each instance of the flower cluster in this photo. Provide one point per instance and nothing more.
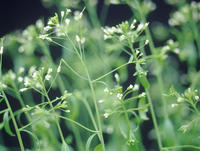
(186, 13)
(124, 31)
(36, 78)
(189, 97)
(60, 25)
(119, 96)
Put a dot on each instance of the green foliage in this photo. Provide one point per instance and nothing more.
(83, 99)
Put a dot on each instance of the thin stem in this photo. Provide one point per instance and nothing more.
(96, 107)
(127, 118)
(153, 52)
(93, 93)
(151, 106)
(103, 76)
(3, 111)
(181, 146)
(154, 120)
(14, 122)
(51, 105)
(80, 125)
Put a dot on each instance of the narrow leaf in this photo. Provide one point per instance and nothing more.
(142, 113)
(89, 142)
(7, 125)
(65, 147)
(1, 100)
(98, 148)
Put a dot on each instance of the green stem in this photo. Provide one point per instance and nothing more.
(14, 122)
(103, 76)
(151, 106)
(51, 106)
(154, 120)
(181, 146)
(153, 52)
(96, 107)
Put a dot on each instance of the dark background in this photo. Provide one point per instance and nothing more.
(21, 13)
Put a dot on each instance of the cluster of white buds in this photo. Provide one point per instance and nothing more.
(59, 68)
(180, 99)
(183, 14)
(125, 31)
(119, 96)
(48, 75)
(143, 94)
(1, 50)
(174, 105)
(80, 40)
(106, 115)
(100, 101)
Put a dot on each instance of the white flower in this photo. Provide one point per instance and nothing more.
(78, 15)
(67, 21)
(38, 85)
(146, 42)
(116, 76)
(62, 14)
(1, 50)
(47, 28)
(21, 49)
(106, 90)
(68, 10)
(3, 85)
(196, 97)
(130, 86)
(137, 51)
(179, 99)
(145, 25)
(48, 77)
(59, 69)
(13, 76)
(177, 51)
(142, 94)
(106, 115)
(174, 105)
(132, 26)
(68, 111)
(49, 70)
(136, 87)
(20, 79)
(166, 48)
(82, 40)
(21, 69)
(119, 95)
(105, 36)
(34, 75)
(23, 89)
(140, 27)
(32, 69)
(121, 38)
(100, 101)
(78, 39)
(26, 81)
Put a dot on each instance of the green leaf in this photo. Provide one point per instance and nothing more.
(33, 135)
(1, 125)
(1, 100)
(65, 147)
(7, 125)
(144, 82)
(98, 148)
(131, 58)
(142, 77)
(89, 142)
(142, 113)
